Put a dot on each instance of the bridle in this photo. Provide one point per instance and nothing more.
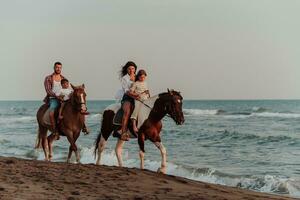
(80, 106)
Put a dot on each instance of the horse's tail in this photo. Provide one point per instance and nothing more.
(38, 143)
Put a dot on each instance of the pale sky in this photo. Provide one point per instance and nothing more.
(207, 49)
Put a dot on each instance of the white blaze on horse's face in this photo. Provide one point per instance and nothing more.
(83, 106)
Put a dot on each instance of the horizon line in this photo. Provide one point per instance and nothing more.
(262, 99)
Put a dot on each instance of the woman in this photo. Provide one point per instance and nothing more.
(127, 76)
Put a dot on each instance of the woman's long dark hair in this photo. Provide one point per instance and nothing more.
(123, 71)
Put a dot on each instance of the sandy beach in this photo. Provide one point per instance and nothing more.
(29, 179)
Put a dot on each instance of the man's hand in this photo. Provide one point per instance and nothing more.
(60, 98)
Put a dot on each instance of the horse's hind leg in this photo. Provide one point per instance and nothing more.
(141, 141)
(101, 147)
(163, 152)
(50, 139)
(118, 150)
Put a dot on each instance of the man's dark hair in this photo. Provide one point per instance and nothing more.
(64, 80)
(57, 63)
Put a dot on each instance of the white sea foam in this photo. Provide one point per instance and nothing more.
(200, 112)
(21, 119)
(277, 115)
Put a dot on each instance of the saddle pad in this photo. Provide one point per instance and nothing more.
(118, 117)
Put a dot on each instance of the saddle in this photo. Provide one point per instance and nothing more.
(142, 116)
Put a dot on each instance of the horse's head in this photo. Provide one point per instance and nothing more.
(173, 105)
(78, 98)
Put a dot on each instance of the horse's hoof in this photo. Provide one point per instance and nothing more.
(161, 170)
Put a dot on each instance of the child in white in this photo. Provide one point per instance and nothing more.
(139, 88)
(64, 93)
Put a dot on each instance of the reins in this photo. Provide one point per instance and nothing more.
(168, 115)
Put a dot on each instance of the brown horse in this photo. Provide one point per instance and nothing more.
(149, 119)
(70, 126)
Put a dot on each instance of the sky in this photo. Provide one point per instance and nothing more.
(207, 49)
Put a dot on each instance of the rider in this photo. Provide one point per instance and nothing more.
(52, 85)
(127, 75)
(140, 89)
(64, 93)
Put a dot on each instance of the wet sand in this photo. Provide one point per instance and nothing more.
(29, 179)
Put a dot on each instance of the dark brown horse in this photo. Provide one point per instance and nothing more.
(70, 126)
(155, 109)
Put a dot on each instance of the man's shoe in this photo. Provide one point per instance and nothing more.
(56, 135)
(85, 130)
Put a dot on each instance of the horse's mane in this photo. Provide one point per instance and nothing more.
(172, 92)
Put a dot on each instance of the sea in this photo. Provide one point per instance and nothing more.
(251, 144)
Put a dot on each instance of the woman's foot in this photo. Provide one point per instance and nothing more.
(84, 112)
(125, 136)
(121, 136)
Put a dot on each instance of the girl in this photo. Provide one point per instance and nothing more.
(139, 89)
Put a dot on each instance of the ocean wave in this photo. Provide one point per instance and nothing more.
(235, 135)
(257, 112)
(16, 119)
(95, 116)
(259, 109)
(201, 112)
(277, 115)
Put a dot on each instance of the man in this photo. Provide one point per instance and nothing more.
(53, 86)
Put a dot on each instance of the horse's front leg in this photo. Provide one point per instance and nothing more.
(118, 150)
(70, 154)
(163, 152)
(72, 147)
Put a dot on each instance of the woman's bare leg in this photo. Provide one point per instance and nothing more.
(127, 110)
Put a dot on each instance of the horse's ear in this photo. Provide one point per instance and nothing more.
(73, 87)
(168, 90)
(83, 86)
